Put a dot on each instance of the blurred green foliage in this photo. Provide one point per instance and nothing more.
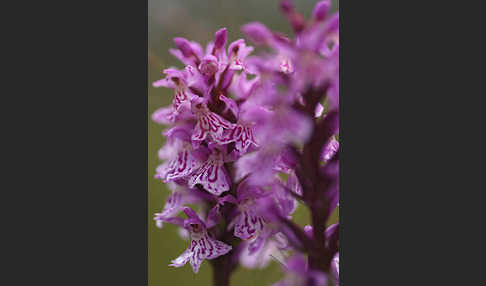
(197, 20)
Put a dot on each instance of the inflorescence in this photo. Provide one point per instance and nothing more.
(248, 138)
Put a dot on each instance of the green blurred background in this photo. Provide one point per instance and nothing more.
(197, 20)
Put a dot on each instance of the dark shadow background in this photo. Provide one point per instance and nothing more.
(197, 20)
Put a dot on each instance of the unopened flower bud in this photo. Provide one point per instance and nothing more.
(209, 65)
(320, 10)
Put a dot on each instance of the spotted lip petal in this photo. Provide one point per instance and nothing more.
(180, 159)
(243, 137)
(212, 176)
(206, 248)
(202, 245)
(182, 259)
(210, 123)
(181, 166)
(249, 225)
(173, 205)
(179, 97)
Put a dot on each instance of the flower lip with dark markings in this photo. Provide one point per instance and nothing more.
(248, 132)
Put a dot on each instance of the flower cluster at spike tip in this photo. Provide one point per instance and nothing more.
(248, 138)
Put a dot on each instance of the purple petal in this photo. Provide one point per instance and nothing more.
(183, 165)
(227, 198)
(181, 132)
(209, 123)
(330, 149)
(259, 165)
(331, 230)
(297, 264)
(164, 115)
(220, 248)
(257, 32)
(333, 24)
(249, 224)
(244, 87)
(285, 200)
(262, 257)
(214, 216)
(220, 38)
(242, 136)
(230, 105)
(172, 220)
(164, 83)
(295, 19)
(205, 247)
(184, 46)
(320, 10)
(212, 176)
(182, 259)
(191, 214)
(172, 207)
(335, 269)
(195, 260)
(293, 184)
